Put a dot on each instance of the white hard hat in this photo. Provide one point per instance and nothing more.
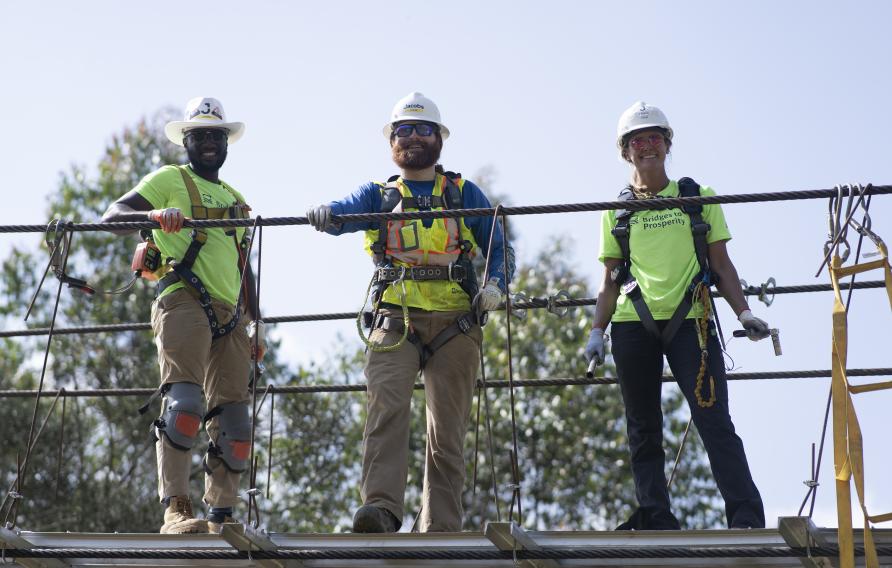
(638, 117)
(203, 112)
(415, 106)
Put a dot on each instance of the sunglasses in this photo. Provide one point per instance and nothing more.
(423, 129)
(651, 139)
(202, 134)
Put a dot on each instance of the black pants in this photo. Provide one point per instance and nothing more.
(639, 364)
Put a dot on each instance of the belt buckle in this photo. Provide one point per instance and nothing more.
(464, 324)
(453, 269)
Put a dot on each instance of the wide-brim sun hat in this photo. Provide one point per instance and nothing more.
(203, 112)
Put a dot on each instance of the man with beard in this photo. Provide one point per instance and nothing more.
(203, 342)
(426, 318)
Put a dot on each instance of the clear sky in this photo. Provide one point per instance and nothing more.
(763, 96)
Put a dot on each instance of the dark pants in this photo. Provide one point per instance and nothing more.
(639, 363)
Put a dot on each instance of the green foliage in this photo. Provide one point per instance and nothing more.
(317, 450)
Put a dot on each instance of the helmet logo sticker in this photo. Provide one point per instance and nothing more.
(206, 108)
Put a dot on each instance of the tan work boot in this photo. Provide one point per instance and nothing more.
(179, 519)
(217, 528)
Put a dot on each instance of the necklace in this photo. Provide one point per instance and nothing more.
(640, 193)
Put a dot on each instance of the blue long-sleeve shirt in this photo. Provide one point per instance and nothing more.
(367, 199)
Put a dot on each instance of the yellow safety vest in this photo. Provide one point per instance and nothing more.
(410, 243)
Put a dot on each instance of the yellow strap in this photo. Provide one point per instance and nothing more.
(848, 443)
(857, 389)
(881, 518)
(199, 211)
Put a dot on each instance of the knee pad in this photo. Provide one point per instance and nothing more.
(233, 443)
(180, 415)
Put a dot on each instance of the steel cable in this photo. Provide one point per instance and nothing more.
(661, 203)
(532, 303)
(523, 383)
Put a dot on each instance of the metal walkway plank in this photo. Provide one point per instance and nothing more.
(12, 539)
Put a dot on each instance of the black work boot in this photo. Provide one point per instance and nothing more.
(648, 519)
(371, 519)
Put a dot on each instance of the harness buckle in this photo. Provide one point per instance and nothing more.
(456, 272)
(464, 323)
(620, 231)
(620, 273)
(424, 201)
(700, 228)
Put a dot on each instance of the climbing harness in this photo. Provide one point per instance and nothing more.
(181, 271)
(399, 242)
(697, 291)
(622, 274)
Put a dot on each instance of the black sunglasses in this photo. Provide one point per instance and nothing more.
(423, 129)
(202, 134)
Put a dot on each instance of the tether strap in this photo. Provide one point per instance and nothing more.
(462, 325)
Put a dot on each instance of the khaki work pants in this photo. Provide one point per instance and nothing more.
(449, 379)
(221, 367)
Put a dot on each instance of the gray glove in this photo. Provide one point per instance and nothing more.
(490, 297)
(594, 349)
(756, 328)
(320, 217)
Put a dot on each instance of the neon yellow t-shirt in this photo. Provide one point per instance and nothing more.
(217, 262)
(662, 251)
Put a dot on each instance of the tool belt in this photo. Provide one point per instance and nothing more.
(453, 273)
(464, 324)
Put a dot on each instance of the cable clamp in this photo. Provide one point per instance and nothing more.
(763, 292)
(552, 306)
(519, 313)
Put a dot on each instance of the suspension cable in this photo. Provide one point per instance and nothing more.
(658, 203)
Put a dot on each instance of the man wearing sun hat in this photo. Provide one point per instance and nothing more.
(204, 346)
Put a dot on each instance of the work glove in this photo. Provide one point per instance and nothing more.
(594, 349)
(756, 328)
(320, 217)
(257, 329)
(490, 297)
(170, 219)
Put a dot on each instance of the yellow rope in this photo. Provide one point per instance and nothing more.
(701, 294)
(402, 292)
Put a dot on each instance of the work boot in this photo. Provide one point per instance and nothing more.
(179, 519)
(371, 519)
(648, 519)
(215, 525)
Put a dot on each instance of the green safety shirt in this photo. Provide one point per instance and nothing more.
(662, 254)
(217, 262)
